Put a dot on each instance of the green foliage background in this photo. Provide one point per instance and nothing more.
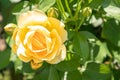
(93, 45)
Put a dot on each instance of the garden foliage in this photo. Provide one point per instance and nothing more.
(93, 45)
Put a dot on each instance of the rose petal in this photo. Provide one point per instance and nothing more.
(14, 48)
(20, 36)
(60, 57)
(34, 17)
(21, 50)
(35, 65)
(24, 58)
(28, 36)
(14, 33)
(59, 26)
(57, 40)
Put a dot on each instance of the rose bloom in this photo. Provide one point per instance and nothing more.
(39, 38)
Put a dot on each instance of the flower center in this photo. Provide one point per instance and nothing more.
(38, 41)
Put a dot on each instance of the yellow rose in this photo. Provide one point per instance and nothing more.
(39, 38)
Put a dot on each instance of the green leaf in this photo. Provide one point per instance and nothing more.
(106, 3)
(5, 9)
(116, 74)
(74, 75)
(26, 68)
(95, 3)
(53, 74)
(111, 32)
(17, 64)
(94, 72)
(94, 48)
(46, 4)
(116, 3)
(21, 7)
(98, 49)
(89, 35)
(18, 7)
(81, 47)
(68, 64)
(35, 1)
(42, 74)
(103, 51)
(104, 69)
(5, 57)
(115, 51)
(4, 4)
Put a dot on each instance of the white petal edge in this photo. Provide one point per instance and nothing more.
(21, 50)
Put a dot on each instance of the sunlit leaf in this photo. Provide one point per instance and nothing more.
(93, 72)
(45, 5)
(103, 51)
(113, 12)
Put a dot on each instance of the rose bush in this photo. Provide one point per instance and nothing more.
(39, 38)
